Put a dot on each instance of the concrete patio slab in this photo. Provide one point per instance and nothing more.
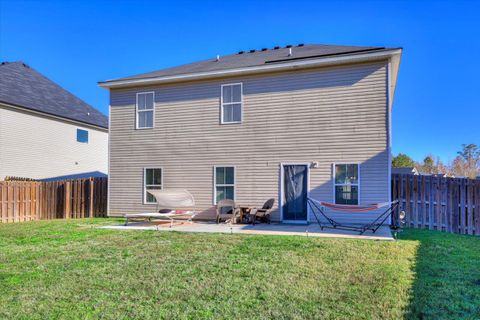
(310, 230)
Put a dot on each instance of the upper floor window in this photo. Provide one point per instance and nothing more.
(82, 136)
(145, 109)
(232, 99)
(346, 182)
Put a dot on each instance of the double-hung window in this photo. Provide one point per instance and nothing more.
(232, 100)
(346, 183)
(145, 109)
(224, 178)
(152, 180)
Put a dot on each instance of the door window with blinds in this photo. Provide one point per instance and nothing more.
(224, 178)
(152, 180)
(346, 183)
(232, 100)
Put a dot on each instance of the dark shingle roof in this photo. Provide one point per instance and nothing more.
(22, 86)
(257, 58)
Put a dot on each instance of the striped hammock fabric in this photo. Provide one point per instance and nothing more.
(354, 208)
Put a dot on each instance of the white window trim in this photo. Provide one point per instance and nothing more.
(215, 185)
(230, 103)
(137, 111)
(345, 184)
(145, 185)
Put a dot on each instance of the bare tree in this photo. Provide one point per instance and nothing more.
(467, 163)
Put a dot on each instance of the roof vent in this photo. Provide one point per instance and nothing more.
(218, 57)
(288, 46)
(264, 49)
(300, 45)
(276, 48)
(252, 51)
(241, 52)
(289, 52)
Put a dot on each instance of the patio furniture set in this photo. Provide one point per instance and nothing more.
(179, 205)
(228, 210)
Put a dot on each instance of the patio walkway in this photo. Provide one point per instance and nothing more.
(311, 230)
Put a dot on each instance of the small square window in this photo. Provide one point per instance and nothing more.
(82, 136)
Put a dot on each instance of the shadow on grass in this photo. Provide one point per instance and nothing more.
(447, 276)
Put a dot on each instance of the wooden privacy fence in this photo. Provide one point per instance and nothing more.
(34, 200)
(437, 203)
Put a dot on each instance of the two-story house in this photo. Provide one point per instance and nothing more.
(45, 131)
(278, 123)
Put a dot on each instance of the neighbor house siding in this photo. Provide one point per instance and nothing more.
(335, 114)
(36, 146)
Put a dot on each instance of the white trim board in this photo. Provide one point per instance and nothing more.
(54, 117)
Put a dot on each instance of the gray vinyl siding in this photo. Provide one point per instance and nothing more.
(327, 115)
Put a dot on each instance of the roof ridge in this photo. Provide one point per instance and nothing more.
(252, 58)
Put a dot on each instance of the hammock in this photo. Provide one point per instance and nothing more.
(318, 208)
(171, 204)
(354, 208)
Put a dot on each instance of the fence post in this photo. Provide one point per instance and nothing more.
(91, 199)
(66, 202)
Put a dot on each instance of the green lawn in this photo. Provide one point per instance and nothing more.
(71, 270)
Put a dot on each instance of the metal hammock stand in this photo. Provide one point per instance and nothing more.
(318, 208)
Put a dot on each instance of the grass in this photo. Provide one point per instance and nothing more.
(72, 270)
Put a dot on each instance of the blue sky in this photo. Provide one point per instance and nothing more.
(436, 108)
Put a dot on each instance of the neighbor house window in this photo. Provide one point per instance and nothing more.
(224, 178)
(152, 178)
(346, 183)
(82, 136)
(232, 103)
(145, 109)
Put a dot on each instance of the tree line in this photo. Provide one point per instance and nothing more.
(465, 164)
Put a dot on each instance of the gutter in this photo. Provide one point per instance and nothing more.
(53, 116)
(284, 66)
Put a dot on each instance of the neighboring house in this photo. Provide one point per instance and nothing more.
(274, 123)
(45, 131)
(405, 170)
